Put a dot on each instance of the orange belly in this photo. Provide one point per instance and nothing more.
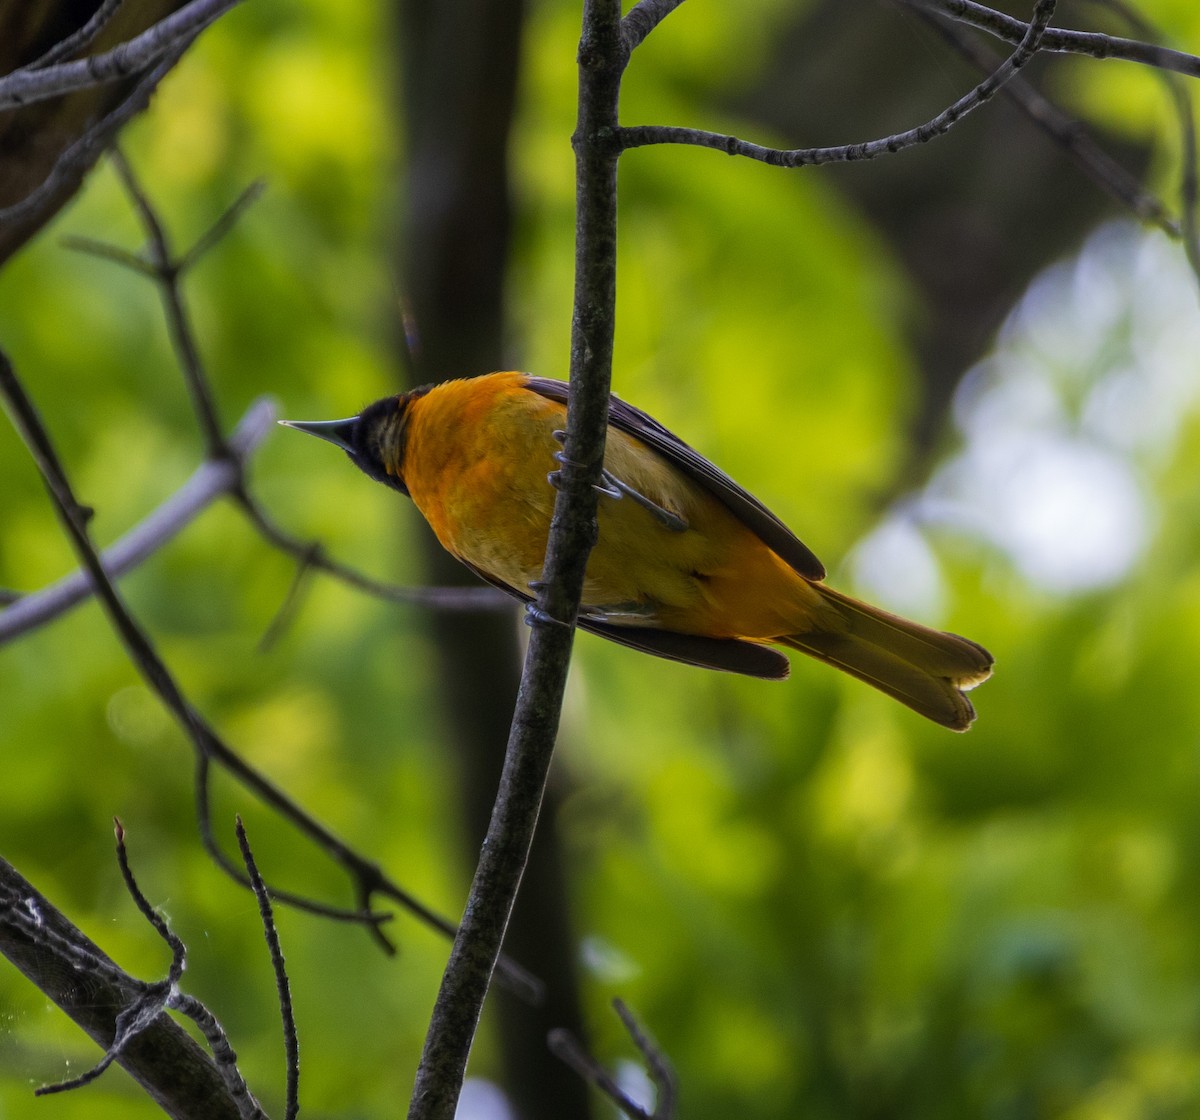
(484, 450)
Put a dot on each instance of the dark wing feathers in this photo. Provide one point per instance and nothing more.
(727, 654)
(742, 504)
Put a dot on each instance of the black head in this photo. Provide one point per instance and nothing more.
(374, 439)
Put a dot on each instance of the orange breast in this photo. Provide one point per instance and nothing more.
(476, 463)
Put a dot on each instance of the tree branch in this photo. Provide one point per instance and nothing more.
(1091, 43)
(85, 149)
(77, 975)
(291, 1043)
(643, 18)
(176, 31)
(209, 481)
(847, 153)
(166, 270)
(1071, 134)
(76, 42)
(566, 1047)
(1189, 187)
(602, 58)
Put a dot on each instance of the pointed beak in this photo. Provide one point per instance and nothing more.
(338, 432)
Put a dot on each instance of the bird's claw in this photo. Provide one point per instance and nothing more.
(608, 485)
(534, 615)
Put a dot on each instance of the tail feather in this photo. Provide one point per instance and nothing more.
(928, 670)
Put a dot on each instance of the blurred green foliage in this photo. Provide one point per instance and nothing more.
(821, 906)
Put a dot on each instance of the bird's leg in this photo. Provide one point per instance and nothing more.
(665, 517)
(612, 487)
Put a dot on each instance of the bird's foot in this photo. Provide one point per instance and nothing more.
(534, 616)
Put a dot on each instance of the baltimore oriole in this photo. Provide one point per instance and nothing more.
(687, 566)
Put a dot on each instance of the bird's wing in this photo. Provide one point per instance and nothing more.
(727, 654)
(741, 503)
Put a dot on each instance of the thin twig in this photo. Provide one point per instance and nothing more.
(643, 18)
(138, 1007)
(217, 231)
(301, 580)
(567, 1047)
(167, 272)
(106, 252)
(1091, 43)
(1181, 96)
(312, 554)
(174, 942)
(661, 1071)
(209, 481)
(1066, 131)
(76, 42)
(291, 1043)
(640, 136)
(24, 87)
(175, 1000)
(81, 152)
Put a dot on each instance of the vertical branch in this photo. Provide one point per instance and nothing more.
(602, 57)
(461, 66)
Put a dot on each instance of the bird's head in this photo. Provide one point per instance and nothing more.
(374, 439)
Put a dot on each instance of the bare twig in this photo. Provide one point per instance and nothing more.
(81, 152)
(208, 482)
(167, 270)
(846, 153)
(1090, 43)
(217, 231)
(176, 1000)
(1182, 99)
(76, 42)
(144, 51)
(312, 554)
(643, 18)
(567, 1047)
(174, 942)
(153, 1000)
(21, 613)
(1069, 133)
(114, 1008)
(290, 1041)
(291, 602)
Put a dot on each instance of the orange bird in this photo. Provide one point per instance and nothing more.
(687, 566)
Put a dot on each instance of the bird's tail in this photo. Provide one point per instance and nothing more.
(926, 669)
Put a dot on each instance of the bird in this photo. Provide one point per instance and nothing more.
(687, 564)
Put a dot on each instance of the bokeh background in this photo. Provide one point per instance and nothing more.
(965, 378)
